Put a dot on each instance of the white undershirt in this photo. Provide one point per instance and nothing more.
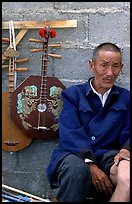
(102, 97)
(103, 100)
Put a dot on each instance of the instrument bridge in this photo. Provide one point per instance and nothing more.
(41, 128)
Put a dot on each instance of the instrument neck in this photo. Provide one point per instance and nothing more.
(11, 78)
(43, 87)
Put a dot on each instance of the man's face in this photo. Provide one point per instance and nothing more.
(106, 69)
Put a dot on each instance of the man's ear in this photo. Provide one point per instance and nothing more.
(91, 64)
(122, 65)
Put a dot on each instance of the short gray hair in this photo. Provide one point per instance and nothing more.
(106, 47)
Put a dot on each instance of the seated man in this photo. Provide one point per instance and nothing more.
(93, 155)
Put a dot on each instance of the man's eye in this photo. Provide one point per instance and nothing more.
(115, 66)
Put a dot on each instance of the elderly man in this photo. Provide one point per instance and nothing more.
(93, 155)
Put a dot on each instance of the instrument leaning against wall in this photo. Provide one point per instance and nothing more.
(36, 103)
(13, 139)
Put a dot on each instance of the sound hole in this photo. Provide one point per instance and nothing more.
(11, 143)
(41, 107)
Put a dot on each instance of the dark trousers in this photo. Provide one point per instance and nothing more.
(74, 180)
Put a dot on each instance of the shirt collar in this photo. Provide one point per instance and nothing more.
(114, 89)
(106, 93)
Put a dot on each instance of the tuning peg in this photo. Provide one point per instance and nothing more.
(5, 39)
(51, 55)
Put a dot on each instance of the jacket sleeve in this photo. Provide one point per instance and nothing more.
(125, 134)
(73, 137)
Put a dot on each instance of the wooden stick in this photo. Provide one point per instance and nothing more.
(17, 69)
(36, 50)
(22, 60)
(35, 40)
(5, 39)
(18, 60)
(4, 57)
(24, 193)
(40, 24)
(55, 55)
(5, 66)
(21, 69)
(41, 41)
(54, 45)
(51, 55)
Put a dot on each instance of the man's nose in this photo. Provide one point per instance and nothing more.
(109, 71)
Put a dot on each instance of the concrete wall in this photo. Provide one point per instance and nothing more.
(97, 22)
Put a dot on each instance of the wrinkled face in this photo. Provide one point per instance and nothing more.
(106, 69)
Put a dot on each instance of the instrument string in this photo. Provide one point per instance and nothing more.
(13, 44)
(43, 86)
(12, 64)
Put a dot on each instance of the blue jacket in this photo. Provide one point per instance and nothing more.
(89, 130)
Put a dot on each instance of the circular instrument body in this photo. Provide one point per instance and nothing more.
(13, 138)
(37, 118)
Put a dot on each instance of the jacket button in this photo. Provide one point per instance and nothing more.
(93, 138)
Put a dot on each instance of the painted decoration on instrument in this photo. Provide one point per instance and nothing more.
(55, 104)
(26, 103)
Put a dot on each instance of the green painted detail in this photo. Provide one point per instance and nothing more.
(52, 89)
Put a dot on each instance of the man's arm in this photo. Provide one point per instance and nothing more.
(73, 136)
(124, 138)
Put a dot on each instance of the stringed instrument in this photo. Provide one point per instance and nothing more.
(36, 103)
(13, 139)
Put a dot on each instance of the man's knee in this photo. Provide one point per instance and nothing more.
(113, 174)
(124, 173)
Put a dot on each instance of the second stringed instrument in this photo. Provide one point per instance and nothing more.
(13, 139)
(37, 103)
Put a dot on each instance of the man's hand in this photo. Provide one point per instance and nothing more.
(100, 180)
(123, 154)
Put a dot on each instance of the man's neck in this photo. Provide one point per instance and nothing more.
(98, 89)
